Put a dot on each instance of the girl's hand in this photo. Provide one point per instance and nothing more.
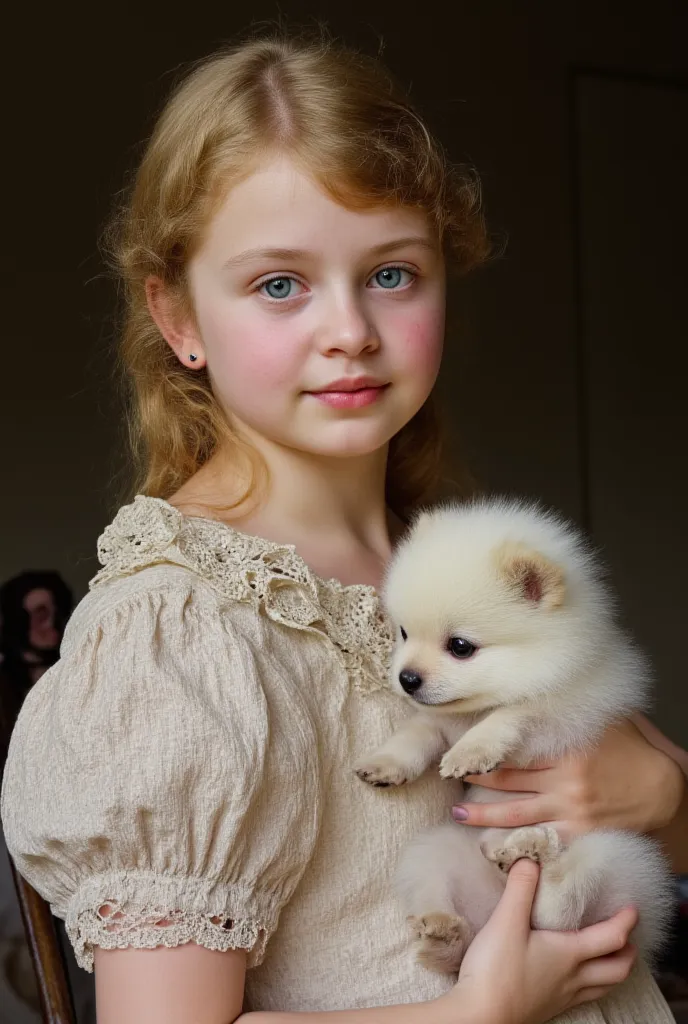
(624, 782)
(514, 975)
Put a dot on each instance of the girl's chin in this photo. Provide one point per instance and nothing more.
(350, 449)
(348, 436)
(347, 440)
(343, 443)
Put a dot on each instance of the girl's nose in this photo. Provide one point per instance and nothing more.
(348, 329)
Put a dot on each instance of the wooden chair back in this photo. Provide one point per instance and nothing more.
(57, 1005)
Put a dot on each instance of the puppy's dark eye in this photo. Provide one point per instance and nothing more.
(461, 648)
(403, 633)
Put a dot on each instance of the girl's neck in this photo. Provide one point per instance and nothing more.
(332, 510)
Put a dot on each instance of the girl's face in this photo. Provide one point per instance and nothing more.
(322, 327)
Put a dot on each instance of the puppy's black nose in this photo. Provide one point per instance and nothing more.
(410, 680)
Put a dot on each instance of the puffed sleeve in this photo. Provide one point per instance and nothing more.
(162, 785)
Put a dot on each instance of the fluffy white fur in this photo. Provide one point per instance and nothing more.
(551, 670)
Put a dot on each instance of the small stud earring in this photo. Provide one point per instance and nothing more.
(192, 358)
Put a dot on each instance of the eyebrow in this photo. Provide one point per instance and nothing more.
(286, 255)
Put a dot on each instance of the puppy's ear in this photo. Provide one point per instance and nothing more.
(536, 578)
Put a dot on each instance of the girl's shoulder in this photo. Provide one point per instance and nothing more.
(151, 545)
(153, 751)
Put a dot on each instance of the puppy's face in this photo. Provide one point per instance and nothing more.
(481, 621)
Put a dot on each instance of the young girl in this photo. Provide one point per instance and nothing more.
(180, 786)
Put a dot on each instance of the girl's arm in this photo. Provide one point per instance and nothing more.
(634, 779)
(183, 985)
(674, 834)
(540, 975)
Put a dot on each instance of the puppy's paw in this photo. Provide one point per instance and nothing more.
(382, 770)
(464, 760)
(535, 842)
(441, 941)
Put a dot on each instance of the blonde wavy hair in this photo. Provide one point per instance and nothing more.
(341, 117)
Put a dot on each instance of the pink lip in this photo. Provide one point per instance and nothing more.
(351, 393)
(349, 399)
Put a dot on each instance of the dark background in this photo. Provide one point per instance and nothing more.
(564, 373)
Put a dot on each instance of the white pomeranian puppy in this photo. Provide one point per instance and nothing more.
(508, 647)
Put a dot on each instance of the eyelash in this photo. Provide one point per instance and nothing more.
(291, 277)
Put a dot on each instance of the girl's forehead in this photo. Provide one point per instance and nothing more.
(280, 206)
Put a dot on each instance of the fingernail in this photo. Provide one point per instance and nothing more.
(459, 813)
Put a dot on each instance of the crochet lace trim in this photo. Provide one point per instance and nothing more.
(273, 576)
(118, 910)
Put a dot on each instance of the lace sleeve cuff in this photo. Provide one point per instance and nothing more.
(143, 910)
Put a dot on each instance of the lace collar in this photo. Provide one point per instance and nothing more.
(273, 576)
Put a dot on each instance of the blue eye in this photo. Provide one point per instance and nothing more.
(279, 287)
(392, 277)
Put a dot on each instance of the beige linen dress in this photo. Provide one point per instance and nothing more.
(189, 759)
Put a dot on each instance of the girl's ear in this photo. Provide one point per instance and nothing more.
(178, 329)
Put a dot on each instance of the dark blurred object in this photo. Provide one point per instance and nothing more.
(34, 608)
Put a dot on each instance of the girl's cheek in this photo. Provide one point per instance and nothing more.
(255, 352)
(423, 340)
